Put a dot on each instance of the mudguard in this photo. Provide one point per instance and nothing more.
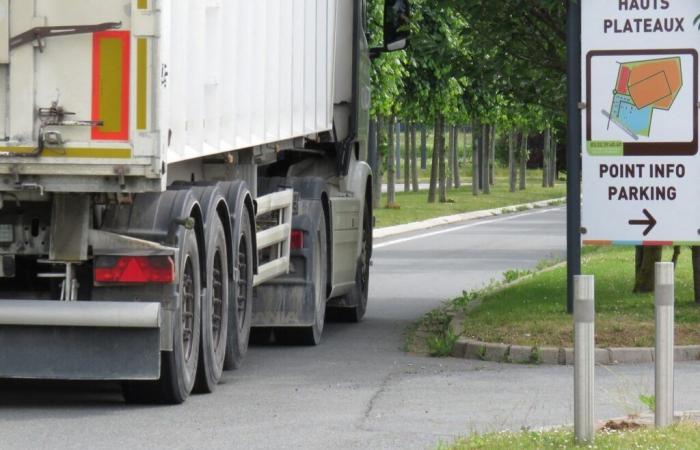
(288, 300)
(157, 217)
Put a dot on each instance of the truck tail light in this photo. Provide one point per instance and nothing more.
(297, 239)
(134, 269)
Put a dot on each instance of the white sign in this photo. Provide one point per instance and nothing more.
(641, 168)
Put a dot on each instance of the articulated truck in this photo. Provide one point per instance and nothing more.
(176, 175)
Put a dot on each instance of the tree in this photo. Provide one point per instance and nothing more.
(523, 161)
(512, 172)
(414, 160)
(391, 167)
(546, 149)
(407, 159)
(455, 145)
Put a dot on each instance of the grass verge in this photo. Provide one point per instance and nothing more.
(414, 206)
(532, 311)
(681, 436)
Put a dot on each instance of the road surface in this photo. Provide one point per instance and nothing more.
(358, 389)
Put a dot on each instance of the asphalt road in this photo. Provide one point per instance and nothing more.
(357, 389)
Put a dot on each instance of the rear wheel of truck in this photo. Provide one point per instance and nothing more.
(178, 367)
(241, 294)
(319, 272)
(215, 309)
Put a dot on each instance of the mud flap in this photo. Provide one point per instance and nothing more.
(284, 301)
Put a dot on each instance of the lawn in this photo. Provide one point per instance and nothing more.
(681, 436)
(532, 312)
(414, 206)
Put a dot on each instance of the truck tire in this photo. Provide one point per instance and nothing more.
(178, 367)
(357, 298)
(240, 294)
(215, 309)
(312, 335)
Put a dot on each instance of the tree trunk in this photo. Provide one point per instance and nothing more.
(512, 172)
(485, 158)
(398, 150)
(696, 272)
(475, 156)
(545, 157)
(423, 148)
(676, 255)
(391, 167)
(434, 165)
(644, 281)
(407, 158)
(414, 160)
(373, 150)
(554, 172)
(450, 156)
(523, 162)
(440, 131)
(492, 155)
(458, 175)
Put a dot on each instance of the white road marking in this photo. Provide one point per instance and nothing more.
(461, 227)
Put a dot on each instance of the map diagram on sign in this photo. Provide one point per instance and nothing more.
(641, 88)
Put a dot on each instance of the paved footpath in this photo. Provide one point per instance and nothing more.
(358, 389)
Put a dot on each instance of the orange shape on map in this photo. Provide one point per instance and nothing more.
(655, 82)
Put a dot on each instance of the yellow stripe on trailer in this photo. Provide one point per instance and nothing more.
(142, 84)
(75, 152)
(142, 77)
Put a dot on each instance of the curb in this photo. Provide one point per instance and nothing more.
(447, 220)
(563, 356)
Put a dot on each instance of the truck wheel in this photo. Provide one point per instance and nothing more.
(312, 335)
(240, 295)
(214, 310)
(360, 292)
(178, 367)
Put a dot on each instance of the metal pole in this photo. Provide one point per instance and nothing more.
(584, 358)
(573, 154)
(664, 297)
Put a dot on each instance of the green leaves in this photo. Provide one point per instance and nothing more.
(502, 62)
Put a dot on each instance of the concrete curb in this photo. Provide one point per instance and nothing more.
(447, 220)
(563, 356)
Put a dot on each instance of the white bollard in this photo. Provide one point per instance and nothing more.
(664, 297)
(584, 358)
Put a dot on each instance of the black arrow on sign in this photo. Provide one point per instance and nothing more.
(650, 222)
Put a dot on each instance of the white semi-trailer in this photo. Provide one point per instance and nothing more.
(175, 172)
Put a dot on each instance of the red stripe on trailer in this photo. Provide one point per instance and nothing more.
(116, 124)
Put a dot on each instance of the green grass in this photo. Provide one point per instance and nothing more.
(681, 436)
(532, 312)
(414, 206)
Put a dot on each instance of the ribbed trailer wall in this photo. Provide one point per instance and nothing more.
(242, 73)
(169, 80)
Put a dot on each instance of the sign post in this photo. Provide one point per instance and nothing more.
(640, 162)
(640, 126)
(584, 358)
(664, 298)
(573, 152)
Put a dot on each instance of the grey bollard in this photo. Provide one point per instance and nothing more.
(664, 297)
(584, 358)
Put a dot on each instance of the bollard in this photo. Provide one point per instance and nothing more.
(664, 297)
(584, 357)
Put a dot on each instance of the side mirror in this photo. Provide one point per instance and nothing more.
(397, 17)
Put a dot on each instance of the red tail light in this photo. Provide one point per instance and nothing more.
(134, 269)
(297, 239)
